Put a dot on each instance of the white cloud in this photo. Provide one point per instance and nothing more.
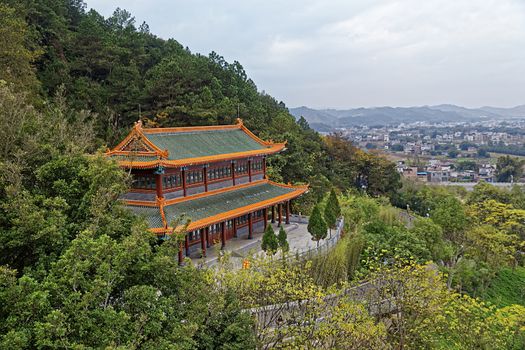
(344, 53)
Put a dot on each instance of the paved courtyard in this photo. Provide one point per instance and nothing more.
(299, 240)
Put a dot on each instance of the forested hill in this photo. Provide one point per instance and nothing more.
(119, 71)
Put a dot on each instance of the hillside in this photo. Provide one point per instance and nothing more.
(327, 119)
(79, 270)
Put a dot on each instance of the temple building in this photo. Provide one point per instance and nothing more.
(213, 175)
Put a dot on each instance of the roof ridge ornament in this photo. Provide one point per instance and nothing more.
(239, 122)
(138, 124)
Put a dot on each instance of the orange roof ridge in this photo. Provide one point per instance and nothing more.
(140, 203)
(189, 129)
(288, 185)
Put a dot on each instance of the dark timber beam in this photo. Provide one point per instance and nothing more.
(223, 234)
(249, 170)
(183, 174)
(202, 233)
(287, 212)
(205, 169)
(250, 226)
(233, 173)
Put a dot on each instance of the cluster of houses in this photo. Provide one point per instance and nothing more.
(445, 171)
(428, 139)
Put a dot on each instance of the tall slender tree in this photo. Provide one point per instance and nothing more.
(332, 210)
(269, 241)
(282, 239)
(317, 226)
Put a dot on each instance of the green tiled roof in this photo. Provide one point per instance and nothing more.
(215, 204)
(151, 214)
(181, 145)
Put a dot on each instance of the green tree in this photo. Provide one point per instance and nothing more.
(317, 226)
(453, 153)
(332, 210)
(397, 147)
(449, 213)
(432, 234)
(269, 244)
(18, 51)
(509, 169)
(283, 240)
(483, 153)
(467, 165)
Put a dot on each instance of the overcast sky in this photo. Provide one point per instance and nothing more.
(352, 53)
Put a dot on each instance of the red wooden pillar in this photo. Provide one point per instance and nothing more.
(264, 166)
(233, 173)
(187, 244)
(223, 234)
(202, 233)
(250, 226)
(249, 170)
(183, 174)
(180, 253)
(158, 185)
(287, 212)
(273, 214)
(265, 212)
(235, 227)
(205, 169)
(280, 212)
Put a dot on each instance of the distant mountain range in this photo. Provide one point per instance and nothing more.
(328, 119)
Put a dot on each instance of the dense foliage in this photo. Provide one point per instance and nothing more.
(78, 271)
(269, 242)
(121, 72)
(317, 225)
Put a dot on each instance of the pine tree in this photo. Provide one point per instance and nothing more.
(335, 203)
(332, 210)
(269, 241)
(317, 226)
(283, 240)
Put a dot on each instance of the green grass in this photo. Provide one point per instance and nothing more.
(507, 288)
